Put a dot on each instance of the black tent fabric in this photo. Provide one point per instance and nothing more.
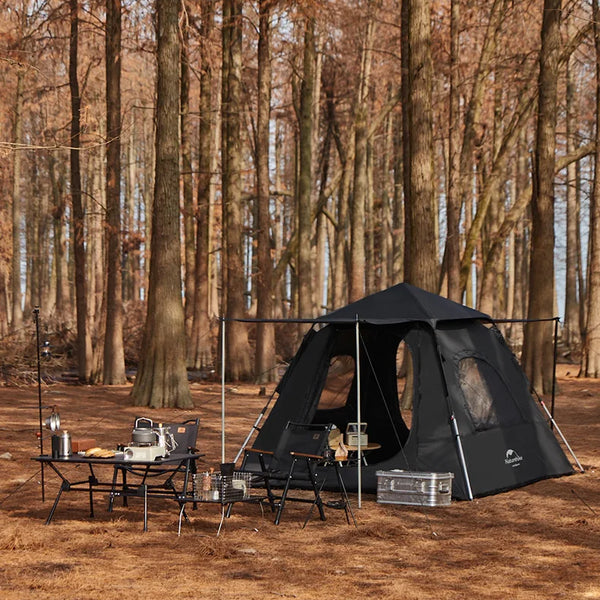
(472, 415)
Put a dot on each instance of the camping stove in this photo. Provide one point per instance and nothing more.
(149, 442)
(149, 452)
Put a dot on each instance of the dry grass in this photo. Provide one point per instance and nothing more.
(541, 541)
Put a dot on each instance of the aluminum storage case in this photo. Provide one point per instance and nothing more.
(414, 488)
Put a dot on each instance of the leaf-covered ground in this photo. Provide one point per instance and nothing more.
(541, 541)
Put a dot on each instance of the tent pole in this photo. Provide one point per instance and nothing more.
(564, 439)
(554, 361)
(222, 389)
(358, 416)
(254, 428)
(454, 425)
(461, 455)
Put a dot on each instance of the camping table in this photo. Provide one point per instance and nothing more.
(353, 452)
(168, 465)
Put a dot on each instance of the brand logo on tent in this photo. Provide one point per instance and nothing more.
(512, 458)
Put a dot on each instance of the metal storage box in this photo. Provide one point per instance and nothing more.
(414, 488)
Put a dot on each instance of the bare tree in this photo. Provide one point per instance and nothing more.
(199, 349)
(162, 377)
(239, 365)
(537, 351)
(189, 236)
(17, 295)
(265, 332)
(84, 344)
(590, 361)
(358, 212)
(114, 355)
(304, 204)
(422, 268)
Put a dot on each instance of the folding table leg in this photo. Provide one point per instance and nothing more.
(63, 486)
(145, 490)
(91, 481)
(345, 499)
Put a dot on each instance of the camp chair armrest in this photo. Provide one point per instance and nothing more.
(305, 455)
(258, 451)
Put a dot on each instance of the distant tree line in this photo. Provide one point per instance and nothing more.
(165, 164)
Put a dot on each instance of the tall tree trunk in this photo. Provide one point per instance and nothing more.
(398, 228)
(405, 138)
(454, 200)
(572, 332)
(84, 344)
(188, 184)
(537, 353)
(305, 304)
(114, 355)
(422, 268)
(17, 295)
(237, 356)
(360, 191)
(264, 367)
(590, 362)
(57, 183)
(199, 351)
(162, 377)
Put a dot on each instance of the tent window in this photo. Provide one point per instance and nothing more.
(337, 385)
(480, 384)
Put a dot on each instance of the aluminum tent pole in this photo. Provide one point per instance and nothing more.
(554, 361)
(564, 439)
(222, 389)
(358, 415)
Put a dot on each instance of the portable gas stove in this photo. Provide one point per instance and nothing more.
(149, 441)
(144, 452)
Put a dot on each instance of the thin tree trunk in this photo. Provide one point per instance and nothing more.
(305, 305)
(84, 344)
(454, 200)
(590, 362)
(199, 351)
(264, 368)
(17, 296)
(360, 187)
(571, 327)
(57, 184)
(188, 184)
(114, 355)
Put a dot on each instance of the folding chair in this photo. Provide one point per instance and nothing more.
(300, 450)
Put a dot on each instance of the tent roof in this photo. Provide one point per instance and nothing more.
(402, 303)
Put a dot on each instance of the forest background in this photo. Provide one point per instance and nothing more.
(168, 163)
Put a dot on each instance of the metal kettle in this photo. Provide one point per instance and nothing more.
(146, 435)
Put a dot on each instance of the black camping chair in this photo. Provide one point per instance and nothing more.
(184, 436)
(300, 444)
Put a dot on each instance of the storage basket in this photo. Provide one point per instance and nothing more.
(214, 487)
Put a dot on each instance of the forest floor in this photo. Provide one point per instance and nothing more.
(540, 541)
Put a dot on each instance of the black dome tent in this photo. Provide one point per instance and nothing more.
(472, 415)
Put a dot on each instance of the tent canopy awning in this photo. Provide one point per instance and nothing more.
(402, 303)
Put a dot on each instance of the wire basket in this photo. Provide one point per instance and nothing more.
(214, 487)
